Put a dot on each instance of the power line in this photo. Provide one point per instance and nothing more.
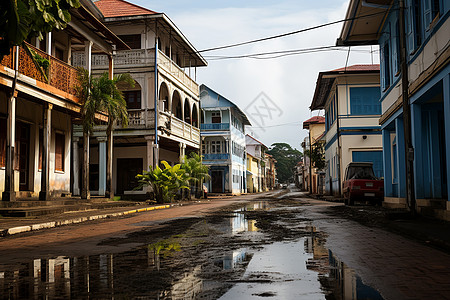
(283, 53)
(288, 33)
(278, 125)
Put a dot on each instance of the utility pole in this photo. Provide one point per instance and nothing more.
(409, 149)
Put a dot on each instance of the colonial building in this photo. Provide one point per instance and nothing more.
(255, 164)
(316, 128)
(422, 80)
(38, 105)
(223, 142)
(163, 107)
(350, 97)
(270, 172)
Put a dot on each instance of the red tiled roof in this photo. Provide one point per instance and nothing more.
(356, 68)
(313, 120)
(121, 8)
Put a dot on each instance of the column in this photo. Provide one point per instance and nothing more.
(9, 193)
(88, 55)
(111, 66)
(150, 145)
(417, 139)
(446, 97)
(435, 155)
(401, 166)
(182, 152)
(76, 166)
(49, 43)
(387, 163)
(85, 192)
(101, 165)
(44, 193)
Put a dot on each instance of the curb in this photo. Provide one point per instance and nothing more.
(33, 227)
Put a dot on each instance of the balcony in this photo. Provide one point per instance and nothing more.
(216, 156)
(215, 126)
(145, 119)
(138, 58)
(59, 74)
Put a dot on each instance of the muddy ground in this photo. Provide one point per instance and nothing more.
(202, 246)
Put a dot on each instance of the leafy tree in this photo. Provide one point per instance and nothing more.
(317, 155)
(164, 182)
(100, 94)
(20, 19)
(286, 158)
(198, 172)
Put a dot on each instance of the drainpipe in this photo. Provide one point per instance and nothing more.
(409, 149)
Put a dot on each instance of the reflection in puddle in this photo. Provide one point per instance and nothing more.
(232, 259)
(302, 269)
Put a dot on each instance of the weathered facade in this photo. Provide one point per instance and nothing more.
(418, 73)
(38, 105)
(350, 97)
(163, 106)
(223, 142)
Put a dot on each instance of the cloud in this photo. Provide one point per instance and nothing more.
(288, 81)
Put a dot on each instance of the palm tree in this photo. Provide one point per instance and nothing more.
(101, 94)
(198, 172)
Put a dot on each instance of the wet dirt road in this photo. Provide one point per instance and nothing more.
(287, 247)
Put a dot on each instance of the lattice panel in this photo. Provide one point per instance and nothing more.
(7, 61)
(27, 66)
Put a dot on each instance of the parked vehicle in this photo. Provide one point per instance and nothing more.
(360, 183)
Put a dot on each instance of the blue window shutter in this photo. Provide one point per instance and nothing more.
(383, 87)
(365, 101)
(410, 26)
(427, 14)
(375, 157)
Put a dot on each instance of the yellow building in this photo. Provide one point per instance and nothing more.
(316, 127)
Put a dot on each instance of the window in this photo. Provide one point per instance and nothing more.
(133, 99)
(365, 101)
(386, 78)
(216, 147)
(215, 117)
(59, 53)
(60, 141)
(414, 26)
(2, 143)
(132, 40)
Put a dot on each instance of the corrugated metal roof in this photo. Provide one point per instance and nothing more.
(120, 8)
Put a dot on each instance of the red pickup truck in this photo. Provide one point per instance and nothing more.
(360, 183)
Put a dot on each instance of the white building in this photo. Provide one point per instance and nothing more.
(350, 97)
(223, 142)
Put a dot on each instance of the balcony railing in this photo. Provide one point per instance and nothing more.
(130, 59)
(59, 74)
(143, 119)
(216, 156)
(215, 126)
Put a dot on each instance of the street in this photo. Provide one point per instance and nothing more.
(280, 246)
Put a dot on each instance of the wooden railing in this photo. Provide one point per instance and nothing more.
(138, 58)
(59, 74)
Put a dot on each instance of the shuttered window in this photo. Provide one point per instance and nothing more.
(59, 151)
(365, 101)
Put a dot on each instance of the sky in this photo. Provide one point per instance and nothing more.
(274, 93)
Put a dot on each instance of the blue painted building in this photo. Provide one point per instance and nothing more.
(350, 97)
(223, 142)
(427, 30)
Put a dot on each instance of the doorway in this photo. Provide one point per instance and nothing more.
(127, 169)
(22, 153)
(217, 181)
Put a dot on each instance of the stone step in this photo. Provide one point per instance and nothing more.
(34, 211)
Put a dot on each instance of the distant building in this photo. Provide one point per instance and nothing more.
(223, 142)
(255, 175)
(350, 97)
(427, 27)
(316, 128)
